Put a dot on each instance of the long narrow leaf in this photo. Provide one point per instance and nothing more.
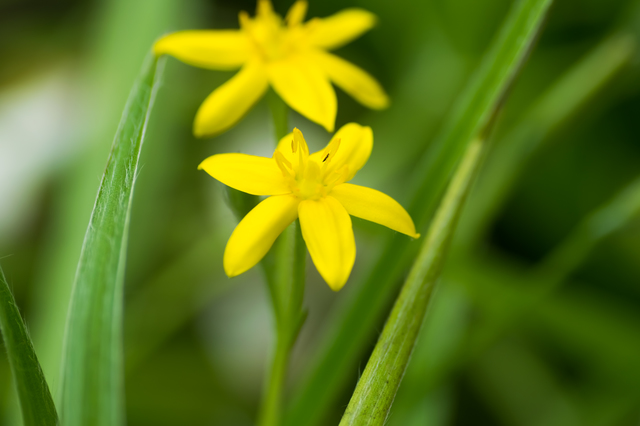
(379, 383)
(561, 101)
(568, 95)
(505, 305)
(354, 326)
(35, 399)
(92, 392)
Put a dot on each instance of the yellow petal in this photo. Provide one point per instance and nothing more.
(284, 146)
(356, 142)
(327, 231)
(226, 49)
(264, 8)
(247, 173)
(369, 204)
(339, 29)
(353, 80)
(255, 234)
(296, 13)
(306, 89)
(230, 102)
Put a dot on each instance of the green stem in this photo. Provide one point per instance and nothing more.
(271, 405)
(285, 271)
(279, 113)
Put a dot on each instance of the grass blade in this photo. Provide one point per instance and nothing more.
(559, 103)
(504, 305)
(568, 95)
(379, 383)
(35, 399)
(92, 392)
(352, 330)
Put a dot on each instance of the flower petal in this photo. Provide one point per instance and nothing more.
(255, 234)
(353, 80)
(356, 142)
(247, 173)
(296, 13)
(230, 102)
(327, 231)
(224, 49)
(369, 204)
(340, 28)
(306, 89)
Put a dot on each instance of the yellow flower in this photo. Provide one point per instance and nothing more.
(291, 56)
(312, 188)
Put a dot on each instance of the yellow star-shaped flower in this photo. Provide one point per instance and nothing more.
(289, 55)
(312, 188)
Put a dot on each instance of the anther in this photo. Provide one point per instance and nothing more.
(331, 151)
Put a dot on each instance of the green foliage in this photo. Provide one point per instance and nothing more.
(93, 372)
(35, 400)
(535, 318)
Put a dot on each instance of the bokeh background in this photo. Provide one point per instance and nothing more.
(537, 318)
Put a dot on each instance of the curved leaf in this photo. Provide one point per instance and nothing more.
(35, 399)
(92, 392)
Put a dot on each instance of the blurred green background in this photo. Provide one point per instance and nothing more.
(537, 318)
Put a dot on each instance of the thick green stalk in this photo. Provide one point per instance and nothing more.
(279, 113)
(285, 271)
(36, 403)
(272, 403)
(373, 397)
(92, 393)
(352, 330)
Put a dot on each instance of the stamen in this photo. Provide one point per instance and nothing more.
(296, 13)
(294, 145)
(303, 150)
(299, 138)
(244, 19)
(302, 162)
(283, 164)
(337, 177)
(264, 8)
(330, 151)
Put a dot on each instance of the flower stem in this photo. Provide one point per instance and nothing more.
(285, 272)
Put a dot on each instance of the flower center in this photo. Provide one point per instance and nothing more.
(308, 176)
(272, 39)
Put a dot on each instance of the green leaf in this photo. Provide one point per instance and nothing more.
(563, 100)
(35, 399)
(92, 392)
(373, 397)
(352, 330)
